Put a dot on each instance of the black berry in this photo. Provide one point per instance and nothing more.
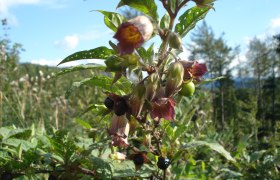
(120, 107)
(163, 163)
(109, 103)
(138, 159)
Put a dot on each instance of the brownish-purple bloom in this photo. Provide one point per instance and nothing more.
(193, 69)
(133, 33)
(163, 108)
(119, 130)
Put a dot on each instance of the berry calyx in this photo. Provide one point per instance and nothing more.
(163, 163)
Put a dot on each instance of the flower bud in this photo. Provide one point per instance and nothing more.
(174, 78)
(152, 86)
(175, 41)
(113, 64)
(137, 99)
(130, 60)
(133, 33)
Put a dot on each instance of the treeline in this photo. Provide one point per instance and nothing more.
(247, 99)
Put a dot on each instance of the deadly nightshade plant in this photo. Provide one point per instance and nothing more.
(149, 98)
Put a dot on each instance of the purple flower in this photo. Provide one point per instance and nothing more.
(119, 130)
(133, 33)
(193, 69)
(163, 108)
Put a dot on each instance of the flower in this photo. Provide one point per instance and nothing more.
(119, 130)
(163, 108)
(133, 33)
(193, 69)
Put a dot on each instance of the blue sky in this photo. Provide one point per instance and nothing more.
(49, 30)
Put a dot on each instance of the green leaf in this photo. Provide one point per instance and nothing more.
(79, 68)
(4, 132)
(188, 20)
(99, 110)
(120, 87)
(83, 123)
(147, 7)
(147, 55)
(206, 81)
(16, 142)
(112, 20)
(214, 146)
(20, 134)
(164, 22)
(97, 53)
(102, 168)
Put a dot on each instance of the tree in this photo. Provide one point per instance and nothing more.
(218, 55)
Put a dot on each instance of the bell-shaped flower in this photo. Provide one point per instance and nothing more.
(162, 107)
(193, 69)
(133, 33)
(119, 130)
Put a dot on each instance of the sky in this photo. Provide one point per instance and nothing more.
(50, 30)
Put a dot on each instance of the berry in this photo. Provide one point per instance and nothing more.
(188, 89)
(163, 163)
(109, 103)
(138, 159)
(120, 107)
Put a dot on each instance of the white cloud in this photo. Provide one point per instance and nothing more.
(69, 42)
(274, 26)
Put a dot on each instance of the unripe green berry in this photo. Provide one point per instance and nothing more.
(187, 89)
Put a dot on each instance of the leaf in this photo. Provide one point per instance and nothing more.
(164, 22)
(20, 134)
(214, 146)
(147, 55)
(112, 20)
(147, 7)
(102, 168)
(104, 82)
(206, 81)
(188, 20)
(16, 142)
(99, 110)
(4, 132)
(79, 68)
(97, 53)
(83, 123)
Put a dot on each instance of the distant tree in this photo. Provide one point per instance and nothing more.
(259, 62)
(218, 55)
